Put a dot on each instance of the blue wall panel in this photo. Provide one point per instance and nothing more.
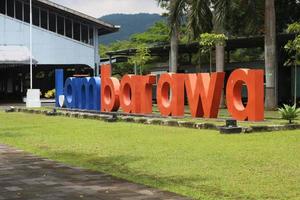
(48, 47)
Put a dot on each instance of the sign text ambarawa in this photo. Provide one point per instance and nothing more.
(133, 93)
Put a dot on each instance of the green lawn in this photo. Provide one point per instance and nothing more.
(196, 163)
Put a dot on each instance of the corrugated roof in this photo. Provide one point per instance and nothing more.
(108, 28)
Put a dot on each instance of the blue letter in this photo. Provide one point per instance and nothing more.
(59, 85)
(93, 98)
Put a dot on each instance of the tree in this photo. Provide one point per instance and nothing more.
(155, 35)
(293, 49)
(287, 12)
(208, 41)
(118, 69)
(270, 55)
(202, 13)
(175, 9)
(141, 57)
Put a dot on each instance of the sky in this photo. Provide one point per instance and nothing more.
(98, 8)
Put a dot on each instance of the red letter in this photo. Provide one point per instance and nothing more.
(110, 88)
(204, 93)
(254, 80)
(129, 95)
(170, 94)
(136, 94)
(145, 87)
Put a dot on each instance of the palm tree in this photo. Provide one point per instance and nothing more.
(270, 55)
(175, 10)
(203, 15)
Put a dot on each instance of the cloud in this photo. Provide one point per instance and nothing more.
(98, 8)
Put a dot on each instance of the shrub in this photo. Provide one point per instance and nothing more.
(289, 113)
(50, 94)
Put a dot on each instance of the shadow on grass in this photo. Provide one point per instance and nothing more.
(119, 166)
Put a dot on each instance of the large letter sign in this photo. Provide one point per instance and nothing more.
(170, 94)
(93, 94)
(254, 81)
(204, 93)
(145, 88)
(133, 94)
(136, 94)
(59, 85)
(110, 90)
(70, 93)
(129, 96)
(83, 93)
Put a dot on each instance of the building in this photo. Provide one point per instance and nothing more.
(62, 38)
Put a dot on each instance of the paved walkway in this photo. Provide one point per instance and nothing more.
(24, 176)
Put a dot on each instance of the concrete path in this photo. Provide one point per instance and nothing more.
(24, 176)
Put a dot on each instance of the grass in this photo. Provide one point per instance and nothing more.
(195, 163)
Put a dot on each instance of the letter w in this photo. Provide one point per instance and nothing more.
(204, 93)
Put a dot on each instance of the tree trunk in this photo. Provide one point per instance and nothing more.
(220, 66)
(174, 50)
(270, 55)
(198, 67)
(295, 84)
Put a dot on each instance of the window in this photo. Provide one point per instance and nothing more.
(91, 36)
(68, 24)
(52, 22)
(84, 34)
(19, 10)
(35, 16)
(11, 8)
(2, 6)
(76, 31)
(60, 25)
(26, 13)
(44, 19)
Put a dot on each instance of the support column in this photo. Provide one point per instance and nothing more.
(174, 50)
(96, 53)
(220, 66)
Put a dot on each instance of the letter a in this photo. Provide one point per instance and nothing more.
(254, 81)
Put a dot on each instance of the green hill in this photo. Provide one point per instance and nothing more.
(130, 24)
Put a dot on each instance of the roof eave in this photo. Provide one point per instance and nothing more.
(110, 28)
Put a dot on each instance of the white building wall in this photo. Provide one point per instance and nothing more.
(48, 48)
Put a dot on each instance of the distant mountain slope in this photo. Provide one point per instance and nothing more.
(130, 24)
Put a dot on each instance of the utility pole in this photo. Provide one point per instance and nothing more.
(33, 95)
(30, 41)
